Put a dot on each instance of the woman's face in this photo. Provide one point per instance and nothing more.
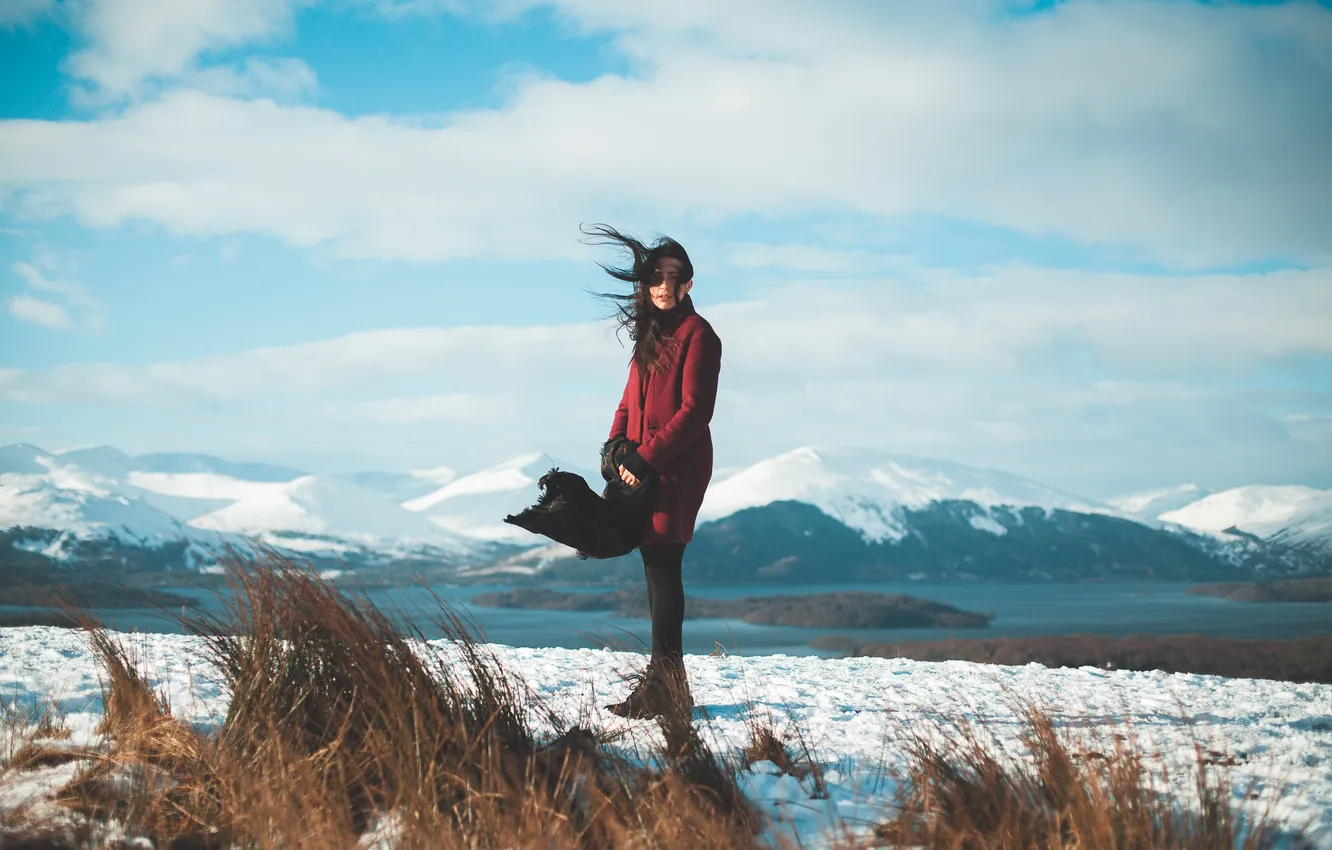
(665, 287)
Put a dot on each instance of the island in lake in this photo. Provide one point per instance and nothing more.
(1285, 590)
(46, 593)
(1293, 660)
(849, 610)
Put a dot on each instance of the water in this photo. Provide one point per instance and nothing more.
(1020, 610)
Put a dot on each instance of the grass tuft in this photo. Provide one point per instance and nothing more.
(340, 731)
(960, 790)
(787, 750)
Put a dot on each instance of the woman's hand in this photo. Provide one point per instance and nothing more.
(628, 477)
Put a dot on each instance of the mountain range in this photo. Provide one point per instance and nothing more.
(814, 514)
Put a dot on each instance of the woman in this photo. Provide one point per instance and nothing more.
(666, 407)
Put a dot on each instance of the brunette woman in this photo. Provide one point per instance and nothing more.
(666, 407)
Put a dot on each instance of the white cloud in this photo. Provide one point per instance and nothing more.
(131, 43)
(284, 80)
(20, 12)
(136, 40)
(53, 314)
(1153, 127)
(25, 308)
(73, 293)
(367, 361)
(1094, 382)
(1015, 318)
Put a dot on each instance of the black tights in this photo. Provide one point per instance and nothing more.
(666, 602)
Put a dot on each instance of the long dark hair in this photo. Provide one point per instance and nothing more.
(635, 312)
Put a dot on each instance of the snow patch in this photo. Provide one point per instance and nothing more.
(197, 485)
(985, 522)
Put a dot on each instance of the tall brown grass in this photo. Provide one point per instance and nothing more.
(341, 729)
(25, 728)
(959, 791)
(337, 726)
(147, 773)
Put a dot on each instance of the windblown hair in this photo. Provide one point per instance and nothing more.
(635, 311)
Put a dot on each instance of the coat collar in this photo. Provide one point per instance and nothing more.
(672, 319)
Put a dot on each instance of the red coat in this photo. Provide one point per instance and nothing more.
(669, 419)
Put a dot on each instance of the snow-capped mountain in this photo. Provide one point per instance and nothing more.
(105, 472)
(869, 491)
(81, 516)
(847, 514)
(313, 508)
(1289, 515)
(39, 489)
(832, 515)
(153, 499)
(475, 505)
(34, 500)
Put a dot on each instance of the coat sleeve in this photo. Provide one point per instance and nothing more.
(702, 367)
(620, 425)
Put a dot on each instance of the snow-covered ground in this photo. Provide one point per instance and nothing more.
(853, 713)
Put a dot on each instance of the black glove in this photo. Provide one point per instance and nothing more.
(613, 454)
(641, 469)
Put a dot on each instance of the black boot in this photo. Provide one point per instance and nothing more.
(642, 699)
(661, 689)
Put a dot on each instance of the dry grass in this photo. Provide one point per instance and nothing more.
(787, 749)
(337, 728)
(147, 772)
(26, 733)
(958, 791)
(340, 733)
(21, 724)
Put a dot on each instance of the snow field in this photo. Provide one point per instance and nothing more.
(853, 714)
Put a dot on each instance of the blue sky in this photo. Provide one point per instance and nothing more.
(1089, 242)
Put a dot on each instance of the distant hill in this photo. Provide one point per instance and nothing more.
(811, 515)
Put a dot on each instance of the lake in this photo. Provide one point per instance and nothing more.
(1020, 610)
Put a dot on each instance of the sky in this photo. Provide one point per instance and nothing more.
(1086, 242)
